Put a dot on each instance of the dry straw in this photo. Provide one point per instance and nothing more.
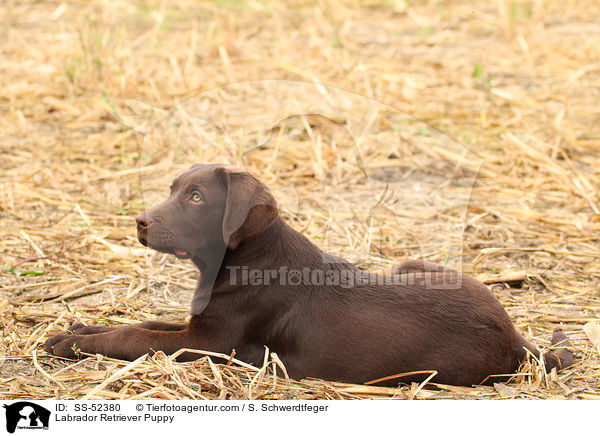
(514, 199)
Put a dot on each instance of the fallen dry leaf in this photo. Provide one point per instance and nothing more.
(592, 330)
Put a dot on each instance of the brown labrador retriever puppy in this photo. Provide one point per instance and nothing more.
(264, 284)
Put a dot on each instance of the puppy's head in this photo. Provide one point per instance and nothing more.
(210, 207)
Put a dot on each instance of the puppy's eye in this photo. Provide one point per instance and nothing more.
(196, 197)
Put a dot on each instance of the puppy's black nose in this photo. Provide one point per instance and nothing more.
(143, 220)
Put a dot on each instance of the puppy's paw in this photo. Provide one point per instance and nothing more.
(64, 346)
(82, 329)
(74, 328)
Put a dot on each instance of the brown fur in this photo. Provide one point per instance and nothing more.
(219, 217)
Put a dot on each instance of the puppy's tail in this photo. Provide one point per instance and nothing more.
(559, 356)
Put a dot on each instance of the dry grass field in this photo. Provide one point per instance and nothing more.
(462, 132)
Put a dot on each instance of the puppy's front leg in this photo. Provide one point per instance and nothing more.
(127, 343)
(82, 329)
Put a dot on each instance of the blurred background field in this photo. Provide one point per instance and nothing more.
(468, 131)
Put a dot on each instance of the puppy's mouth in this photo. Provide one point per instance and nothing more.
(181, 254)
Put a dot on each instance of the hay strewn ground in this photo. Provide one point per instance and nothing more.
(516, 82)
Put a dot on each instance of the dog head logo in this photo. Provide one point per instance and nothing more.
(26, 415)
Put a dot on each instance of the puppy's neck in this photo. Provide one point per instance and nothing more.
(279, 245)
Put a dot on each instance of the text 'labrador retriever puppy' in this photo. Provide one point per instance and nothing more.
(264, 284)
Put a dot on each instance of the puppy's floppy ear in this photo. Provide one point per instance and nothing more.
(250, 208)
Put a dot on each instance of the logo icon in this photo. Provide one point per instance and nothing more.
(26, 415)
